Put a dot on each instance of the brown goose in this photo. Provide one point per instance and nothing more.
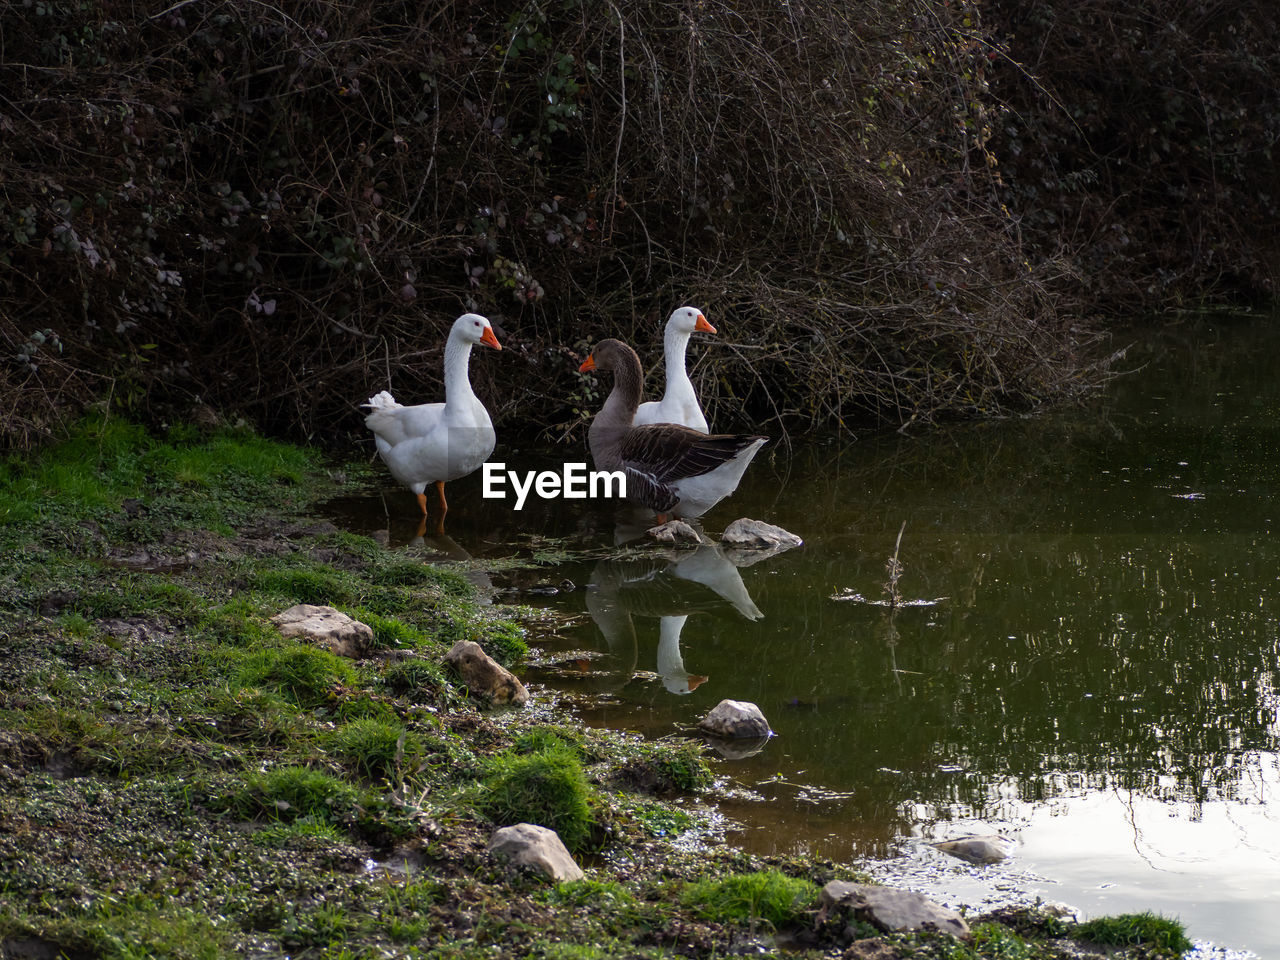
(670, 468)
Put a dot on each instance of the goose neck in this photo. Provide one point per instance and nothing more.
(674, 344)
(457, 356)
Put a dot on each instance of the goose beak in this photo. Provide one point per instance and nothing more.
(489, 339)
(588, 364)
(703, 324)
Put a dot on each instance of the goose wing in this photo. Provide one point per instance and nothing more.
(668, 452)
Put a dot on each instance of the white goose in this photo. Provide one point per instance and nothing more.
(679, 403)
(438, 442)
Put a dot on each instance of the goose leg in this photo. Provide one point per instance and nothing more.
(422, 525)
(444, 506)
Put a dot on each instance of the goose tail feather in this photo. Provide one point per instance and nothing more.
(381, 401)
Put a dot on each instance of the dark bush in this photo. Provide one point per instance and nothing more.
(276, 210)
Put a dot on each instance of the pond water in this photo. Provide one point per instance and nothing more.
(1093, 675)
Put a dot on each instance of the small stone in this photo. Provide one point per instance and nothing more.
(674, 531)
(326, 628)
(984, 849)
(735, 719)
(891, 910)
(537, 848)
(484, 676)
(758, 535)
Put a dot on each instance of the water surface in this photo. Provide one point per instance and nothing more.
(1095, 676)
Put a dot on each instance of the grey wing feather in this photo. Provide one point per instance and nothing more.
(645, 488)
(672, 452)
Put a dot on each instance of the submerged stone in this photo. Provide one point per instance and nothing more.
(484, 676)
(326, 628)
(537, 848)
(984, 849)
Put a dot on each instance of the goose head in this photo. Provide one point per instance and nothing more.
(689, 320)
(612, 355)
(472, 328)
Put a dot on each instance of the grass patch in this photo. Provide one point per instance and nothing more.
(315, 585)
(408, 573)
(292, 793)
(388, 632)
(666, 767)
(132, 928)
(253, 717)
(418, 679)
(375, 748)
(306, 675)
(548, 788)
(655, 819)
(138, 594)
(237, 623)
(187, 478)
(1166, 936)
(77, 626)
(308, 829)
(768, 895)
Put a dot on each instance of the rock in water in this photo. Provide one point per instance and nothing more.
(985, 849)
(735, 719)
(674, 531)
(484, 676)
(757, 533)
(893, 911)
(326, 628)
(535, 847)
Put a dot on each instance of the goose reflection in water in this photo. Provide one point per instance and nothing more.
(444, 544)
(669, 585)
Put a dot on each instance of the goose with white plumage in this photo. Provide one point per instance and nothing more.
(679, 403)
(433, 443)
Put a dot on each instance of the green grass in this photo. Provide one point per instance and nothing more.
(547, 788)
(77, 625)
(417, 678)
(313, 584)
(105, 462)
(1166, 936)
(237, 622)
(767, 895)
(123, 926)
(304, 829)
(991, 941)
(306, 675)
(390, 633)
(375, 748)
(292, 793)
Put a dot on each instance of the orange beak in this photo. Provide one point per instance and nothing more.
(696, 681)
(588, 364)
(703, 324)
(488, 338)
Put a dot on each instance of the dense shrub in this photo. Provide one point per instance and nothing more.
(1142, 145)
(275, 210)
